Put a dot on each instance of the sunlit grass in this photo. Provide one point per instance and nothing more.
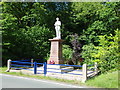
(108, 80)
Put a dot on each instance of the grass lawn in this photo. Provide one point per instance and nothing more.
(108, 80)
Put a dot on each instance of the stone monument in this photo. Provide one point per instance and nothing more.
(56, 46)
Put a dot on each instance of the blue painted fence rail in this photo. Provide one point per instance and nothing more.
(64, 69)
(16, 64)
(32, 66)
(45, 68)
(35, 67)
(66, 65)
(22, 62)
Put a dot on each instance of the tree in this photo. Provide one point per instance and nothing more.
(91, 19)
(23, 37)
(76, 48)
(26, 28)
(106, 54)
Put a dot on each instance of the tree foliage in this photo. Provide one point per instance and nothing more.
(76, 48)
(106, 54)
(94, 18)
(23, 37)
(67, 53)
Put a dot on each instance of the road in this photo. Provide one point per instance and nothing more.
(10, 81)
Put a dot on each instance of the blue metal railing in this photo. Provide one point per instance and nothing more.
(35, 67)
(64, 69)
(66, 65)
(90, 72)
(45, 68)
(26, 60)
(23, 64)
(16, 65)
(91, 69)
(19, 62)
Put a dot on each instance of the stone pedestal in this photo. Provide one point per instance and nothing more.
(56, 51)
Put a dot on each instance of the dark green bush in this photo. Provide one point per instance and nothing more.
(67, 53)
(106, 54)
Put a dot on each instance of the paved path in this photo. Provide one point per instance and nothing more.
(9, 81)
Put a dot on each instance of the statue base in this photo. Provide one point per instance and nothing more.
(56, 51)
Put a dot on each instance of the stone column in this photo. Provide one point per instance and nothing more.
(84, 72)
(56, 51)
(8, 65)
(96, 68)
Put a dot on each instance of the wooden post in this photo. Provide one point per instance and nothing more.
(31, 62)
(84, 71)
(96, 68)
(8, 65)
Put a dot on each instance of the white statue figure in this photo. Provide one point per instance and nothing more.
(57, 28)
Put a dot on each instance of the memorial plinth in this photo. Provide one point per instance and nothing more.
(56, 51)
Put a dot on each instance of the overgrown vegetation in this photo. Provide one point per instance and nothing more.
(106, 53)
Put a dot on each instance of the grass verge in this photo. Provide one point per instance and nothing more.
(74, 82)
(108, 80)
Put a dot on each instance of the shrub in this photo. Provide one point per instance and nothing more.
(67, 53)
(87, 51)
(106, 54)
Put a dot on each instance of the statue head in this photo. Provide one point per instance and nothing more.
(57, 19)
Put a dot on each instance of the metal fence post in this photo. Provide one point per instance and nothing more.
(96, 68)
(45, 68)
(84, 71)
(35, 67)
(31, 62)
(8, 65)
